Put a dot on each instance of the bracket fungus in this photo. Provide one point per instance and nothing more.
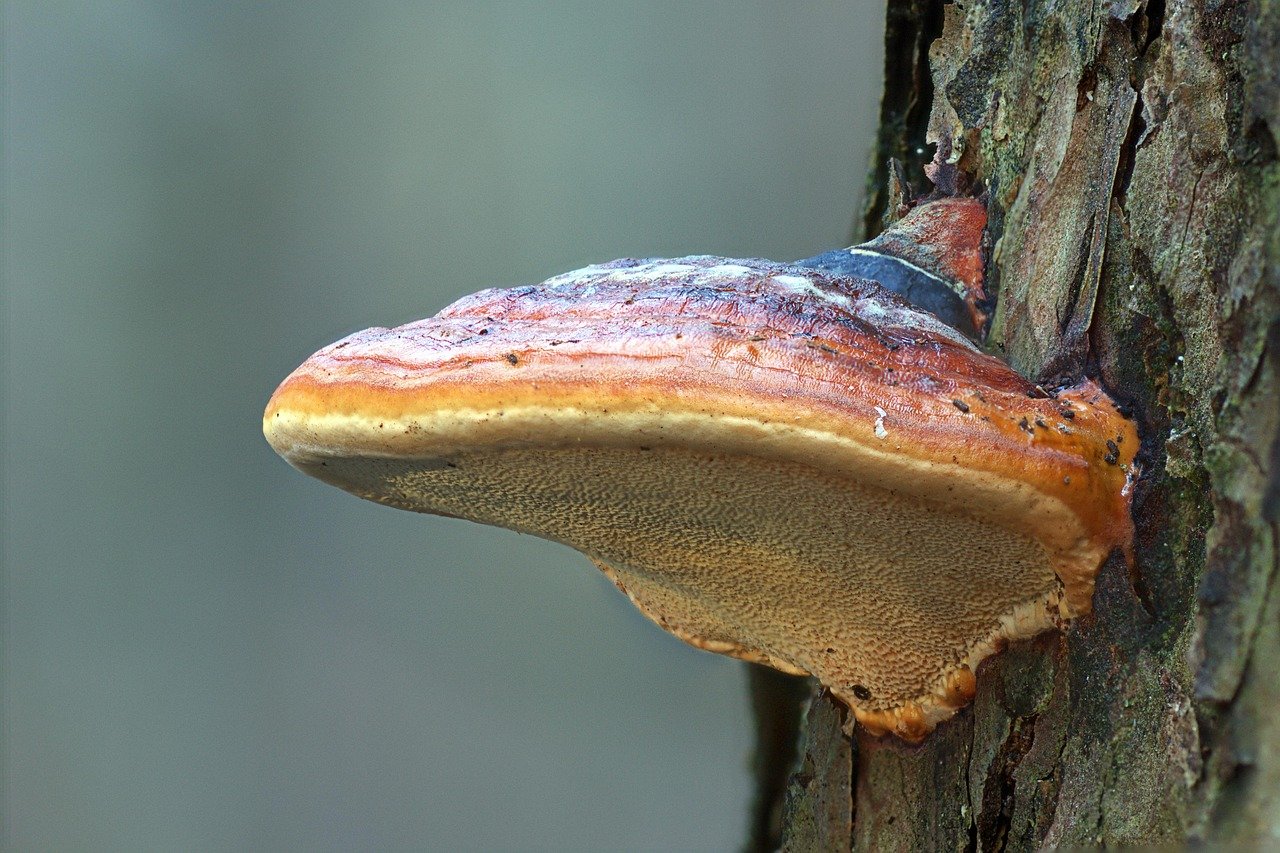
(777, 462)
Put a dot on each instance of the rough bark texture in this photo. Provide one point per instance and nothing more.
(1129, 154)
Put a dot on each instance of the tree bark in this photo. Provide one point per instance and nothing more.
(1128, 152)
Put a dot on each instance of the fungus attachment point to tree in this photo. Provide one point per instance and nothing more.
(771, 461)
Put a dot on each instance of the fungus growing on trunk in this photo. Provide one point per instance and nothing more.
(773, 462)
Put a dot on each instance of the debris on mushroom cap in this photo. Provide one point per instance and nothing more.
(771, 463)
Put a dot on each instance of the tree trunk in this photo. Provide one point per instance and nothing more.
(1128, 151)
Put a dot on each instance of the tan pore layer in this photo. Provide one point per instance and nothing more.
(886, 618)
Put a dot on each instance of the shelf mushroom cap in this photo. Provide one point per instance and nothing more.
(774, 464)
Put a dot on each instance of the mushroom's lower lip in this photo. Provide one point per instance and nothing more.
(750, 557)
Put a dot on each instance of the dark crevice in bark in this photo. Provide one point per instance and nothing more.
(1129, 150)
(1153, 16)
(1120, 187)
(996, 813)
(911, 27)
(1141, 591)
(1059, 377)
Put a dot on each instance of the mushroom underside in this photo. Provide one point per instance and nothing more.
(888, 599)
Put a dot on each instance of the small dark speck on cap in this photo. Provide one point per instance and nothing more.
(961, 405)
(512, 358)
(861, 692)
(1114, 453)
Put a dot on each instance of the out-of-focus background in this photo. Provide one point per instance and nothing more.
(203, 649)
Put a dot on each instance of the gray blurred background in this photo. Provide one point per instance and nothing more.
(203, 649)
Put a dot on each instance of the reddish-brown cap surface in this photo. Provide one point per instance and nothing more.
(772, 464)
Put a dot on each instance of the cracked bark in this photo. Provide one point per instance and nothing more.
(1129, 154)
